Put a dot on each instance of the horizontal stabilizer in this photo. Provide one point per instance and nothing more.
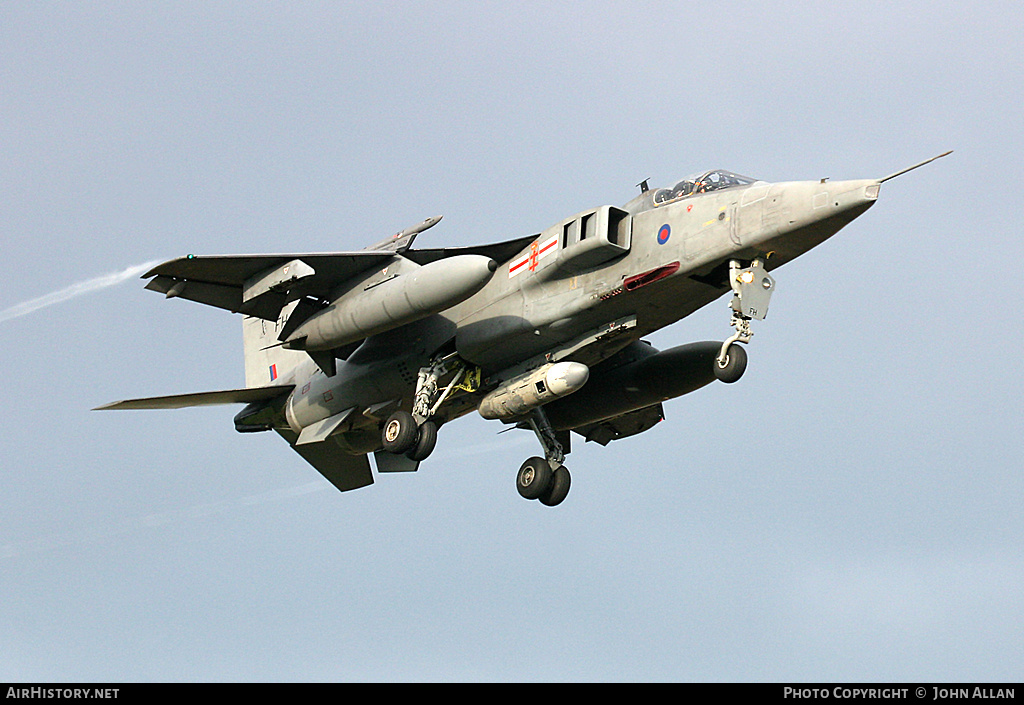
(344, 471)
(181, 401)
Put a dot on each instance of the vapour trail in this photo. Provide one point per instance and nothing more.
(75, 290)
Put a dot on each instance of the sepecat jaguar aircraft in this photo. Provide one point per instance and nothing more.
(349, 354)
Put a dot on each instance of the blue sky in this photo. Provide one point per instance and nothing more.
(850, 510)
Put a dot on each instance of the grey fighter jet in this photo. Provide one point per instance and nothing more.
(349, 354)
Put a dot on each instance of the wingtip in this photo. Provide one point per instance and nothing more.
(154, 271)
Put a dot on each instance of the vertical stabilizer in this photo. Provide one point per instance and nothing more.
(266, 362)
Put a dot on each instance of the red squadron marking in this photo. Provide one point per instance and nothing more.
(531, 260)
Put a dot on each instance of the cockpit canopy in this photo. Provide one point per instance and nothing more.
(701, 183)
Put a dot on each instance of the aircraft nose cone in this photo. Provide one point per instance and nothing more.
(814, 204)
(800, 215)
(853, 194)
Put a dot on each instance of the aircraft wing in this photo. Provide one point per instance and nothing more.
(332, 268)
(181, 401)
(500, 252)
(344, 471)
(623, 426)
(260, 285)
(247, 284)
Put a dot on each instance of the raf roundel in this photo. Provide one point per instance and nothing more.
(663, 234)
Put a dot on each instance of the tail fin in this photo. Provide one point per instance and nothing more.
(266, 362)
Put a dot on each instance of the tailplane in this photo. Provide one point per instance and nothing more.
(248, 395)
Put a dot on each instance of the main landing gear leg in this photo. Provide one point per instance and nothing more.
(545, 479)
(752, 290)
(415, 434)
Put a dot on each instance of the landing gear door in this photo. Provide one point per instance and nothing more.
(753, 287)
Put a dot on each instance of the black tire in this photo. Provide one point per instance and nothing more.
(425, 445)
(735, 364)
(559, 487)
(400, 433)
(534, 478)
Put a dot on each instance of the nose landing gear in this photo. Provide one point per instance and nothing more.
(752, 291)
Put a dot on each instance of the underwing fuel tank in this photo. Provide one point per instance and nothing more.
(525, 392)
(644, 377)
(363, 312)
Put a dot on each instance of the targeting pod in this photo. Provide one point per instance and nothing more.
(523, 393)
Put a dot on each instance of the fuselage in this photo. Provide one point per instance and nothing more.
(675, 261)
(585, 288)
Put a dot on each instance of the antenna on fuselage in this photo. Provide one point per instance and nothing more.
(644, 188)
